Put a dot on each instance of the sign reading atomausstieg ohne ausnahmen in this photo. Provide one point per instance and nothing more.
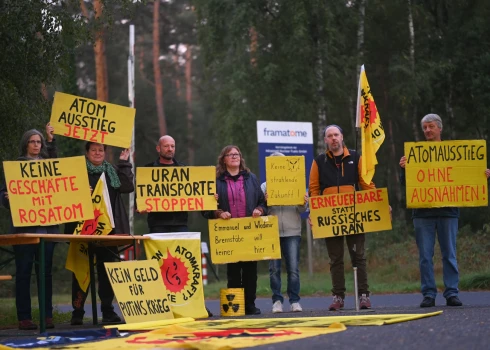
(176, 188)
(349, 213)
(446, 174)
(244, 239)
(48, 192)
(92, 120)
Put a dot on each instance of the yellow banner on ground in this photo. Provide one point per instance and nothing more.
(286, 180)
(138, 289)
(176, 188)
(245, 333)
(102, 224)
(244, 239)
(92, 120)
(179, 258)
(48, 192)
(350, 213)
(446, 174)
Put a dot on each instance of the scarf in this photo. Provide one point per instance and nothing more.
(107, 168)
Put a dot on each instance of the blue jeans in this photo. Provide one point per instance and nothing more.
(425, 233)
(290, 252)
(25, 256)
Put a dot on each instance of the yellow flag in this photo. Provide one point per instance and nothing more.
(179, 257)
(372, 132)
(101, 224)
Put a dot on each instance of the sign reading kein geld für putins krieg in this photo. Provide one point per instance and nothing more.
(289, 138)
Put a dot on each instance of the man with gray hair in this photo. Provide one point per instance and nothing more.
(428, 221)
(289, 218)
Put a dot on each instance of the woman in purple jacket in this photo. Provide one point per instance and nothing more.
(239, 195)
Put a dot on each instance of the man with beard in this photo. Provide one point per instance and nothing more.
(335, 171)
(166, 221)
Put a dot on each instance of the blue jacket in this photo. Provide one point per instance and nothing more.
(254, 196)
(452, 212)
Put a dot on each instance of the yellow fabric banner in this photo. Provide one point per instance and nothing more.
(286, 180)
(176, 188)
(92, 120)
(446, 174)
(48, 192)
(350, 213)
(372, 132)
(244, 239)
(102, 224)
(138, 289)
(179, 258)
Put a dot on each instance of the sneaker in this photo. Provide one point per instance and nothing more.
(337, 304)
(49, 323)
(252, 310)
(453, 301)
(296, 307)
(76, 321)
(277, 307)
(364, 302)
(428, 302)
(110, 317)
(27, 325)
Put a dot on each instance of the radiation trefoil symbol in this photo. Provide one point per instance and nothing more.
(234, 307)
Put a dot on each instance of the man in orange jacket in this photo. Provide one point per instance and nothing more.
(335, 171)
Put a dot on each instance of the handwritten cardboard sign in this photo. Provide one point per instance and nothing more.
(446, 174)
(244, 239)
(286, 180)
(349, 213)
(139, 290)
(176, 188)
(92, 120)
(48, 192)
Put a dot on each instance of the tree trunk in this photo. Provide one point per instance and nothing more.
(360, 59)
(411, 30)
(162, 123)
(175, 58)
(253, 46)
(188, 97)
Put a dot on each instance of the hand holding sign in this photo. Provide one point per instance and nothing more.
(124, 154)
(49, 132)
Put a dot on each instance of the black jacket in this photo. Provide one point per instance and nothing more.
(170, 218)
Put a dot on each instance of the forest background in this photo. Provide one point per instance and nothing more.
(207, 70)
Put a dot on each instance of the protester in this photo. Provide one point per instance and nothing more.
(289, 219)
(166, 221)
(238, 195)
(33, 146)
(120, 179)
(339, 170)
(428, 221)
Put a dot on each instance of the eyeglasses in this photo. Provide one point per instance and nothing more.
(233, 155)
(34, 141)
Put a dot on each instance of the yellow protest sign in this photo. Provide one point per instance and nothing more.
(244, 239)
(48, 192)
(176, 188)
(102, 224)
(139, 290)
(179, 260)
(350, 213)
(92, 120)
(286, 180)
(446, 174)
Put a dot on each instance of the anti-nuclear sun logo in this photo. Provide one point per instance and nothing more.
(368, 109)
(174, 273)
(89, 226)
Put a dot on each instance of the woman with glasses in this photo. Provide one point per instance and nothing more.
(238, 195)
(32, 147)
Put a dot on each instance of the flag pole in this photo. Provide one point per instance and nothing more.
(131, 104)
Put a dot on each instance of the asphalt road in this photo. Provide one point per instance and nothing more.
(466, 327)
